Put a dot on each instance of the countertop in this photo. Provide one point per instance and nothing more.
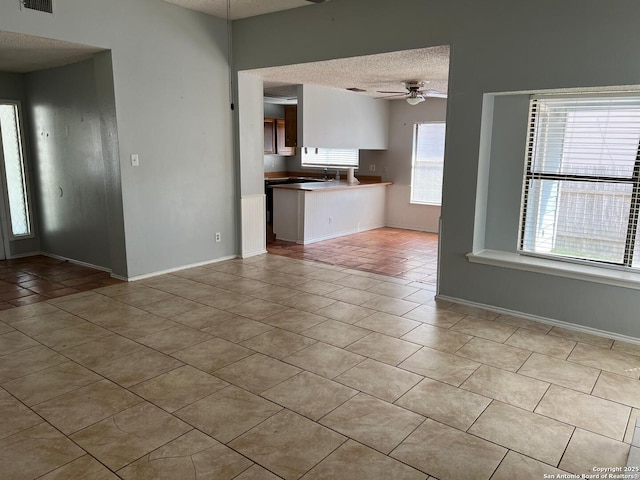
(331, 185)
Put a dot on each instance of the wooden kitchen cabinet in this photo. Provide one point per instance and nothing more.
(281, 146)
(269, 136)
(291, 125)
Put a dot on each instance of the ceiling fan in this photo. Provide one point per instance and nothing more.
(415, 93)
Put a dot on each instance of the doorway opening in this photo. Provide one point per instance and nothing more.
(15, 207)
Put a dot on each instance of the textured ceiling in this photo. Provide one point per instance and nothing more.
(21, 53)
(239, 8)
(384, 71)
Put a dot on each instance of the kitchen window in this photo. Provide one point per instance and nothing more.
(330, 157)
(581, 192)
(427, 163)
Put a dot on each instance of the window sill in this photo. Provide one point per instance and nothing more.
(545, 266)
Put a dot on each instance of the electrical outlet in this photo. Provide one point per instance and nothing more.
(135, 160)
(372, 168)
(218, 237)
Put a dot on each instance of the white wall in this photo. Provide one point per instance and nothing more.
(582, 43)
(170, 77)
(394, 164)
(332, 118)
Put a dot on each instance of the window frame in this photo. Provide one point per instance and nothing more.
(531, 175)
(414, 156)
(7, 224)
(327, 152)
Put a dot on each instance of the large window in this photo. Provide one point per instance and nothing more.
(581, 194)
(13, 167)
(428, 160)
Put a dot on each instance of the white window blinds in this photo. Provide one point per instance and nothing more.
(428, 163)
(581, 194)
(330, 157)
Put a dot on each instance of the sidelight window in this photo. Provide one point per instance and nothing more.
(13, 169)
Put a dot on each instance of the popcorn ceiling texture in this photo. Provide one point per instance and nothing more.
(384, 71)
(239, 8)
(21, 53)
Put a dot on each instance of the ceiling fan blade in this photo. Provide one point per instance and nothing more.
(391, 96)
(433, 94)
(386, 91)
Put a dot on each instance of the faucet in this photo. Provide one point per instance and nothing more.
(325, 174)
(337, 174)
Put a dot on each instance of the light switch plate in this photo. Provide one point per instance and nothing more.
(135, 160)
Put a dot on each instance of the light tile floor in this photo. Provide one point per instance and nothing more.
(276, 367)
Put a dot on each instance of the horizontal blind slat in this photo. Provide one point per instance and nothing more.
(330, 157)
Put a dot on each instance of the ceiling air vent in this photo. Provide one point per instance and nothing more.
(39, 5)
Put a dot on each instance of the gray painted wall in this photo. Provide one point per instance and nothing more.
(580, 43)
(68, 159)
(508, 142)
(171, 84)
(251, 131)
(105, 97)
(12, 87)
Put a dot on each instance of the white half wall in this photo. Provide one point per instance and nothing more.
(252, 210)
(330, 214)
(311, 216)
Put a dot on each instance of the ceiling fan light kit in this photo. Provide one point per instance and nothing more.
(415, 93)
(414, 98)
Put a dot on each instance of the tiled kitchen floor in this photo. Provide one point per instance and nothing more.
(274, 367)
(28, 280)
(400, 253)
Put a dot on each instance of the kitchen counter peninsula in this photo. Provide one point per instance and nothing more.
(314, 211)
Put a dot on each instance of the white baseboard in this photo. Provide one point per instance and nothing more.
(23, 255)
(339, 234)
(177, 269)
(412, 227)
(253, 254)
(545, 320)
